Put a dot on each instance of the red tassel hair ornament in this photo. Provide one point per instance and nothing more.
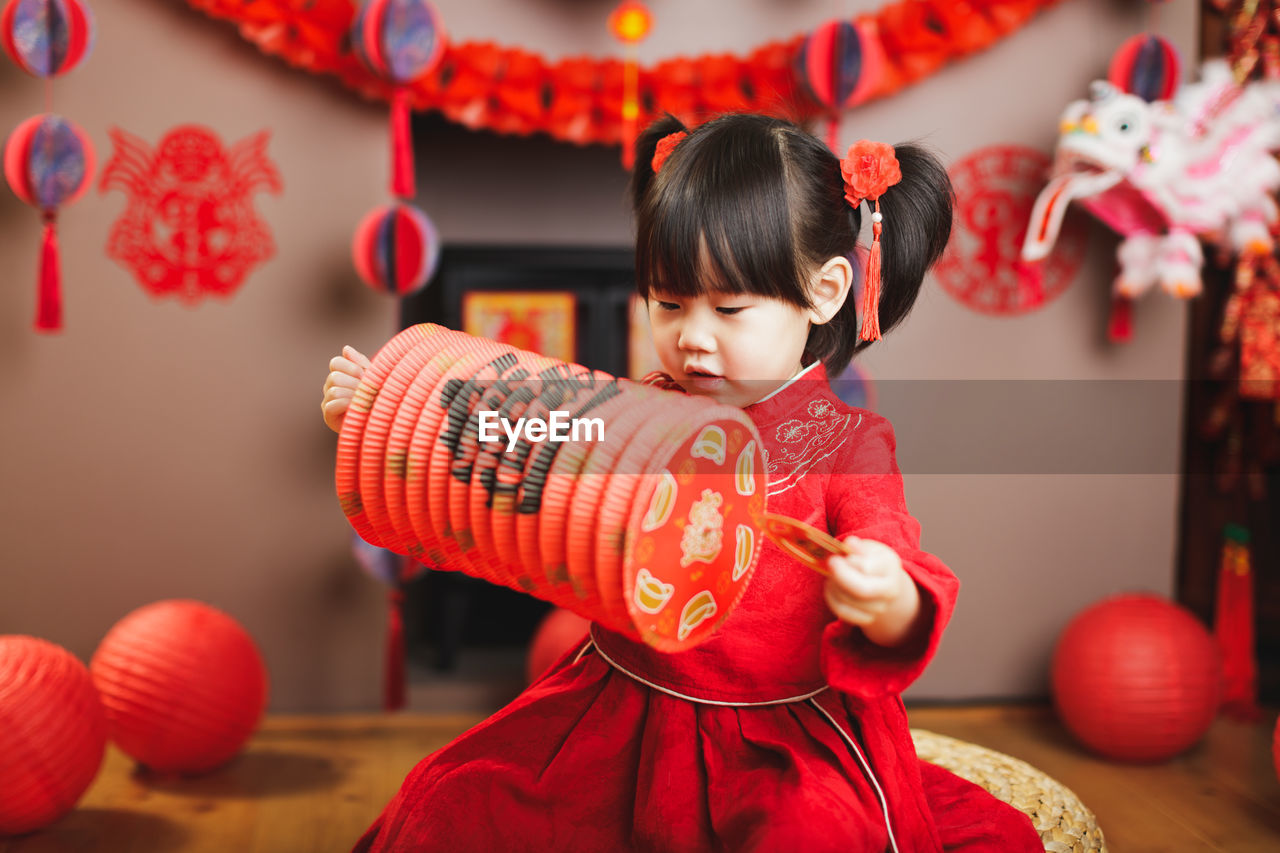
(869, 169)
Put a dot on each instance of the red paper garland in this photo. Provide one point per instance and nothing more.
(510, 90)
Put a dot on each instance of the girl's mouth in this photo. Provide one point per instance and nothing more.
(703, 380)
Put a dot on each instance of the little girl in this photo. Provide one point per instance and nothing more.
(785, 730)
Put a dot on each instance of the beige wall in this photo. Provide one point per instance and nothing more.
(153, 450)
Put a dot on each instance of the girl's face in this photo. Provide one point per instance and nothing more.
(733, 348)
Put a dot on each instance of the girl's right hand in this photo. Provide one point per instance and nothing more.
(344, 376)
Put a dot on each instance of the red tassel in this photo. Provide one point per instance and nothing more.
(49, 295)
(393, 686)
(871, 288)
(402, 177)
(833, 132)
(1233, 628)
(1030, 284)
(1120, 327)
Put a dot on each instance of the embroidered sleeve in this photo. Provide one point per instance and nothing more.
(865, 499)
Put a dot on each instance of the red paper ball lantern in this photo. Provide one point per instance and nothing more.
(1136, 678)
(183, 685)
(559, 631)
(46, 37)
(53, 732)
(48, 162)
(840, 64)
(1148, 66)
(396, 249)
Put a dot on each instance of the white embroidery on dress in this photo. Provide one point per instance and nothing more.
(801, 444)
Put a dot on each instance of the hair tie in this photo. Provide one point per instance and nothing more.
(869, 169)
(664, 148)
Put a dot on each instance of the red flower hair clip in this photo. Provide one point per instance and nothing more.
(869, 169)
(665, 146)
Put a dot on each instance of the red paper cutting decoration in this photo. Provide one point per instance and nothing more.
(47, 37)
(48, 162)
(190, 228)
(995, 190)
(396, 249)
(400, 41)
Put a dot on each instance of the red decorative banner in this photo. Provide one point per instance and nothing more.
(995, 189)
(190, 228)
(510, 90)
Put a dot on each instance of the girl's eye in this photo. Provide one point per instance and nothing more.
(727, 310)
(668, 306)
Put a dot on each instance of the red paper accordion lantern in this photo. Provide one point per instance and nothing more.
(840, 64)
(48, 162)
(47, 37)
(183, 685)
(1136, 678)
(1148, 66)
(641, 516)
(53, 733)
(396, 249)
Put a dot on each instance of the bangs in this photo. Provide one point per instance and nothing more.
(715, 220)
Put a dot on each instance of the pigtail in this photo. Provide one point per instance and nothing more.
(917, 225)
(646, 145)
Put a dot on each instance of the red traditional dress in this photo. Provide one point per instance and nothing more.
(784, 731)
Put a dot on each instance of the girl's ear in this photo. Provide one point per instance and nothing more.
(829, 289)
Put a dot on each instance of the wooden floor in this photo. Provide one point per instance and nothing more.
(314, 783)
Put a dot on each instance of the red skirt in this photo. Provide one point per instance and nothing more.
(591, 759)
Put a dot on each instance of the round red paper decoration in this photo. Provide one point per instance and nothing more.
(558, 631)
(1148, 66)
(630, 21)
(400, 41)
(47, 37)
(1136, 678)
(995, 190)
(183, 685)
(840, 64)
(396, 249)
(48, 163)
(53, 733)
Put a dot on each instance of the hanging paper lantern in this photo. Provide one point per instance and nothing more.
(840, 64)
(183, 685)
(53, 733)
(396, 249)
(47, 37)
(1148, 66)
(48, 162)
(1136, 678)
(400, 41)
(630, 23)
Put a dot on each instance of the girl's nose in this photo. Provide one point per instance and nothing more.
(695, 336)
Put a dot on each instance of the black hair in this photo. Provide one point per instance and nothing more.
(753, 204)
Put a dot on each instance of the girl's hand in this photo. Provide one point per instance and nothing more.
(344, 375)
(870, 589)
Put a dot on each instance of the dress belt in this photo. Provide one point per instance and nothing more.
(591, 643)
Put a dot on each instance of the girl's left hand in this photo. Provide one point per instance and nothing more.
(870, 589)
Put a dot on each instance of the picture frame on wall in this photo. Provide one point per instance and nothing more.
(543, 321)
